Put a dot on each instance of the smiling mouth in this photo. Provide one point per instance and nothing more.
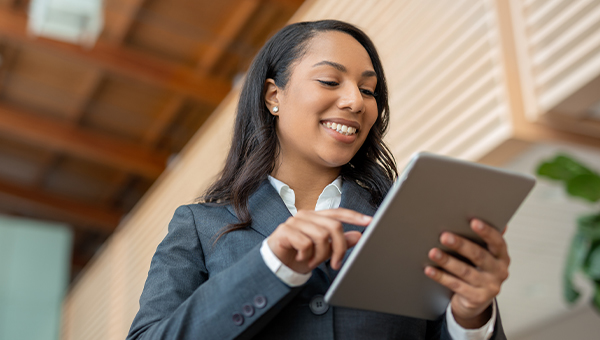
(340, 128)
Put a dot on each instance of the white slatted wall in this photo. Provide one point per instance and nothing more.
(559, 42)
(443, 64)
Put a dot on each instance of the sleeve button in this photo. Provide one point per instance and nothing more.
(238, 319)
(248, 310)
(260, 301)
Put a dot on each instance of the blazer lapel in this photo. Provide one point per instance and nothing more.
(356, 198)
(266, 208)
(268, 211)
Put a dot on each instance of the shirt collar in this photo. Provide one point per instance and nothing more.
(277, 184)
(333, 189)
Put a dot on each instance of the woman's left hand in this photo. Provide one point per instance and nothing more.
(474, 287)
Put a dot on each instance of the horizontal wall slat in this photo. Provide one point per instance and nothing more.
(449, 77)
(544, 14)
(564, 18)
(561, 44)
(582, 27)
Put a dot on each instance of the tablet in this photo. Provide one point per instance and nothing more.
(384, 272)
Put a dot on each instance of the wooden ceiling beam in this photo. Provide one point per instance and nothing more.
(117, 187)
(75, 115)
(123, 61)
(8, 3)
(34, 202)
(47, 161)
(150, 140)
(123, 19)
(8, 55)
(290, 4)
(89, 87)
(162, 121)
(230, 30)
(65, 137)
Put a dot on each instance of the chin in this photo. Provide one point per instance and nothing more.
(336, 157)
(337, 162)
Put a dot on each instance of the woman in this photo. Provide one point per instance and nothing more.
(257, 255)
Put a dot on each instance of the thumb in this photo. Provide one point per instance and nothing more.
(352, 238)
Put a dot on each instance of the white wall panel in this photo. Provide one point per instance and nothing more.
(443, 64)
(559, 43)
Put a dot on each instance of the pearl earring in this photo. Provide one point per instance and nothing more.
(276, 109)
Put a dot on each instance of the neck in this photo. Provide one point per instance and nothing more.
(307, 181)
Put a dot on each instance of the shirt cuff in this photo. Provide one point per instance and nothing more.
(457, 332)
(283, 272)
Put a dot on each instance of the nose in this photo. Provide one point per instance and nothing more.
(351, 99)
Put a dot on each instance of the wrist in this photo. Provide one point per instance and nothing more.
(476, 321)
(283, 272)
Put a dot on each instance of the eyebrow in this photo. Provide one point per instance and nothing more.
(343, 69)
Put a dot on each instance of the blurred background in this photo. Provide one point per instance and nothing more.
(115, 112)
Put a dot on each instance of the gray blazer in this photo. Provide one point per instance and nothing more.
(198, 289)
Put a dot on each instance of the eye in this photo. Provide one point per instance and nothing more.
(328, 83)
(368, 92)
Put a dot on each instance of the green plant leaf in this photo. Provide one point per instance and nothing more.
(575, 260)
(596, 299)
(586, 186)
(571, 294)
(592, 267)
(589, 226)
(562, 168)
(584, 253)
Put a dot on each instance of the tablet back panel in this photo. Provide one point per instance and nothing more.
(384, 272)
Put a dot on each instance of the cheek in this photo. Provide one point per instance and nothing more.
(311, 99)
(371, 116)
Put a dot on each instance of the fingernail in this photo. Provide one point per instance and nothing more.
(366, 217)
(450, 239)
(478, 225)
(437, 255)
(430, 271)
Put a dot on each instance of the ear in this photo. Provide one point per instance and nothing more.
(271, 95)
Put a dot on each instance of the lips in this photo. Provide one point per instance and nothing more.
(341, 126)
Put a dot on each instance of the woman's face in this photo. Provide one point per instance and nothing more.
(328, 105)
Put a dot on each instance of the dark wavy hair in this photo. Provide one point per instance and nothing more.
(255, 146)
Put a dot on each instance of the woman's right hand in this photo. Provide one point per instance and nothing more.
(311, 237)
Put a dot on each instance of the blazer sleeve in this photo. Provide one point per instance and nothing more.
(438, 329)
(498, 329)
(181, 300)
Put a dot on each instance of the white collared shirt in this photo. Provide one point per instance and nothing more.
(331, 198)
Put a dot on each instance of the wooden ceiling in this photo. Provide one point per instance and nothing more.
(85, 132)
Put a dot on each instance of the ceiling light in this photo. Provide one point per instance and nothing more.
(74, 21)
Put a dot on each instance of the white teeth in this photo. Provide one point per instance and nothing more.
(342, 129)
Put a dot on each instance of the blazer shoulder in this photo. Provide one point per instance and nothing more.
(207, 208)
(209, 219)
